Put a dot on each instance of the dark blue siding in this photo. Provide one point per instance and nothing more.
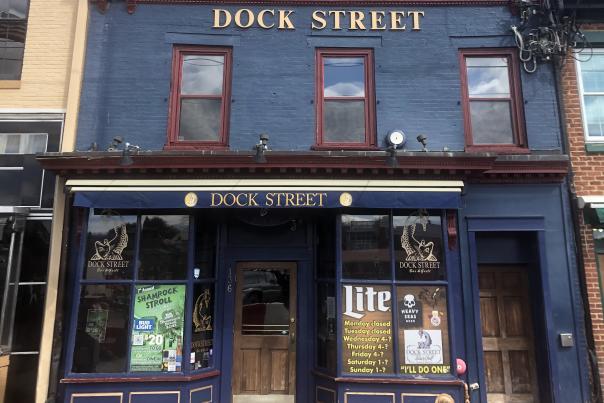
(128, 69)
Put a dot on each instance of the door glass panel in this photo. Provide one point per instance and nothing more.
(265, 302)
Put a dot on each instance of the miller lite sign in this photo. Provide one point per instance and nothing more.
(360, 300)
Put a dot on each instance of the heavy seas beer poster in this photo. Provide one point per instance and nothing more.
(157, 331)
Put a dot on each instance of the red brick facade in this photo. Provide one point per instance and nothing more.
(588, 171)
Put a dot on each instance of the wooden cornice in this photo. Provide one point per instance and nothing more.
(131, 4)
(468, 166)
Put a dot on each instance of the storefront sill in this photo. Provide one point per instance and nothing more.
(130, 379)
(398, 381)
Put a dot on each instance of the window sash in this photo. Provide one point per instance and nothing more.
(368, 98)
(514, 99)
(174, 136)
(583, 94)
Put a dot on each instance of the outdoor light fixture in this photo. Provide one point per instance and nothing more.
(127, 154)
(394, 138)
(260, 148)
(423, 140)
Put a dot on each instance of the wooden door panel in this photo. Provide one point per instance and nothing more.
(279, 370)
(250, 374)
(508, 344)
(493, 367)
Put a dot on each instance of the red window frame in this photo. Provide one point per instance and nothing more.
(369, 98)
(519, 146)
(175, 96)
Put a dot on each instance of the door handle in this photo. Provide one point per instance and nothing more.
(292, 337)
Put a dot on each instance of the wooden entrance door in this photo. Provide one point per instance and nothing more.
(264, 356)
(507, 334)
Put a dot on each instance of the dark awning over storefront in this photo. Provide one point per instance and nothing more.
(270, 193)
(593, 209)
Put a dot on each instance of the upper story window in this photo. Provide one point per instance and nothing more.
(200, 97)
(591, 79)
(492, 103)
(345, 98)
(13, 26)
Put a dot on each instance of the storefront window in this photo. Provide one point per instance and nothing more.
(365, 247)
(394, 324)
(163, 249)
(136, 322)
(102, 329)
(326, 294)
(110, 247)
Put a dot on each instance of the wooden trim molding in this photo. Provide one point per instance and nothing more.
(138, 379)
(478, 167)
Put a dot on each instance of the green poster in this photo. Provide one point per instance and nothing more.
(157, 330)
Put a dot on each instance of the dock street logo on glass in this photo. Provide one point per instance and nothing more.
(111, 250)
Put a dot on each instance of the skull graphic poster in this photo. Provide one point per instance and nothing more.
(157, 332)
(418, 246)
(423, 330)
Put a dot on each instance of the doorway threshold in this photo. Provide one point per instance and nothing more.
(263, 398)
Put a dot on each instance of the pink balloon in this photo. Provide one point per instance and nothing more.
(461, 366)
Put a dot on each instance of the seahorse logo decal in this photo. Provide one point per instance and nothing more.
(417, 251)
(112, 249)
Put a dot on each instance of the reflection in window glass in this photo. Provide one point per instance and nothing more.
(490, 100)
(344, 77)
(418, 248)
(110, 247)
(423, 334)
(202, 334)
(163, 247)
(202, 75)
(13, 28)
(200, 119)
(344, 121)
(205, 250)
(592, 82)
(101, 342)
(365, 247)
(594, 114)
(27, 328)
(326, 326)
(491, 122)
(22, 143)
(265, 302)
(23, 368)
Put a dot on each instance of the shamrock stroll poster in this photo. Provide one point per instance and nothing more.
(157, 330)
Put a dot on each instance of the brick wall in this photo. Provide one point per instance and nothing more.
(47, 59)
(588, 171)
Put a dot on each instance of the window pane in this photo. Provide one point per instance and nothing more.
(10, 9)
(200, 119)
(594, 112)
(110, 247)
(12, 43)
(344, 122)
(202, 336)
(326, 248)
(101, 341)
(34, 263)
(29, 318)
(423, 332)
(344, 76)
(367, 341)
(592, 74)
(157, 328)
(163, 248)
(418, 248)
(205, 251)
(22, 375)
(326, 326)
(265, 302)
(491, 122)
(365, 247)
(202, 75)
(488, 77)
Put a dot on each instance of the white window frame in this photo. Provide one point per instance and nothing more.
(588, 138)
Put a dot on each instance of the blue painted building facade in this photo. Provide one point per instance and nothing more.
(494, 215)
